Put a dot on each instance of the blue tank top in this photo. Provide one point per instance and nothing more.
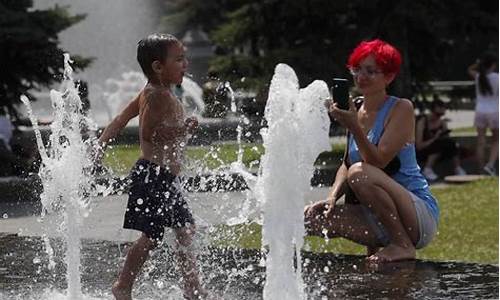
(408, 175)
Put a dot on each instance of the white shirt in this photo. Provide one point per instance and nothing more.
(488, 103)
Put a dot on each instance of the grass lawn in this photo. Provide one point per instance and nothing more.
(121, 158)
(468, 229)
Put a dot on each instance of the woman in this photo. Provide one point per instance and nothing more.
(486, 82)
(433, 142)
(397, 211)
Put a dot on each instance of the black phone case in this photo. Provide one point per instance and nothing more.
(340, 93)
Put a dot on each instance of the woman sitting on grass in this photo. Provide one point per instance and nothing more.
(433, 142)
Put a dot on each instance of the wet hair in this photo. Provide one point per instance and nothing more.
(387, 57)
(153, 47)
(485, 63)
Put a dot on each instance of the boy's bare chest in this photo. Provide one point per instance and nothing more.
(173, 113)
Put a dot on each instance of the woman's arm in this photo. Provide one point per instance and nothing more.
(338, 186)
(398, 131)
(336, 191)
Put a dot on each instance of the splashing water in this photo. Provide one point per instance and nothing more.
(298, 127)
(117, 92)
(66, 185)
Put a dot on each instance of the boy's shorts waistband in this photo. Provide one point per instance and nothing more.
(148, 168)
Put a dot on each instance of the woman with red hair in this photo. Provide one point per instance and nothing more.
(388, 204)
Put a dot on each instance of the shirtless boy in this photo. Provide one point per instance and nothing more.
(155, 198)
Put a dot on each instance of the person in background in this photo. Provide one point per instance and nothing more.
(486, 112)
(433, 143)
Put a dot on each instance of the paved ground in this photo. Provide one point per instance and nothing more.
(104, 221)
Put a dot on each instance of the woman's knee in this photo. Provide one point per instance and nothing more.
(358, 176)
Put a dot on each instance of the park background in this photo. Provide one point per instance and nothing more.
(241, 42)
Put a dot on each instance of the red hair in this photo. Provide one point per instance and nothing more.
(387, 57)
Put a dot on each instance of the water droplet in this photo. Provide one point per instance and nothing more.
(5, 216)
(354, 267)
(326, 269)
(140, 201)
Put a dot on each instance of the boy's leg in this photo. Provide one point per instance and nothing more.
(393, 206)
(136, 256)
(187, 262)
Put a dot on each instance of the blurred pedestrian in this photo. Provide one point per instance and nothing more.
(485, 75)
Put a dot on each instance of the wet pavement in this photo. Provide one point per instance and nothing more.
(105, 219)
(237, 274)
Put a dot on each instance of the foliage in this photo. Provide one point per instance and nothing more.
(316, 36)
(30, 57)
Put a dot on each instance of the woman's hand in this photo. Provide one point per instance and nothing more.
(321, 209)
(346, 118)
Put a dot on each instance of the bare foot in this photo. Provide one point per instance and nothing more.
(121, 293)
(393, 252)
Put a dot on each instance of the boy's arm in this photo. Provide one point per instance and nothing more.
(119, 122)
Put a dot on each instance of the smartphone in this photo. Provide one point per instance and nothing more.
(340, 93)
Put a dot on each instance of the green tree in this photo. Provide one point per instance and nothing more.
(30, 57)
(315, 37)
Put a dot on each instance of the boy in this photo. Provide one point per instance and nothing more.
(155, 199)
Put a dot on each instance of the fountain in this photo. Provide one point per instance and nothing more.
(117, 92)
(65, 185)
(298, 127)
(91, 250)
